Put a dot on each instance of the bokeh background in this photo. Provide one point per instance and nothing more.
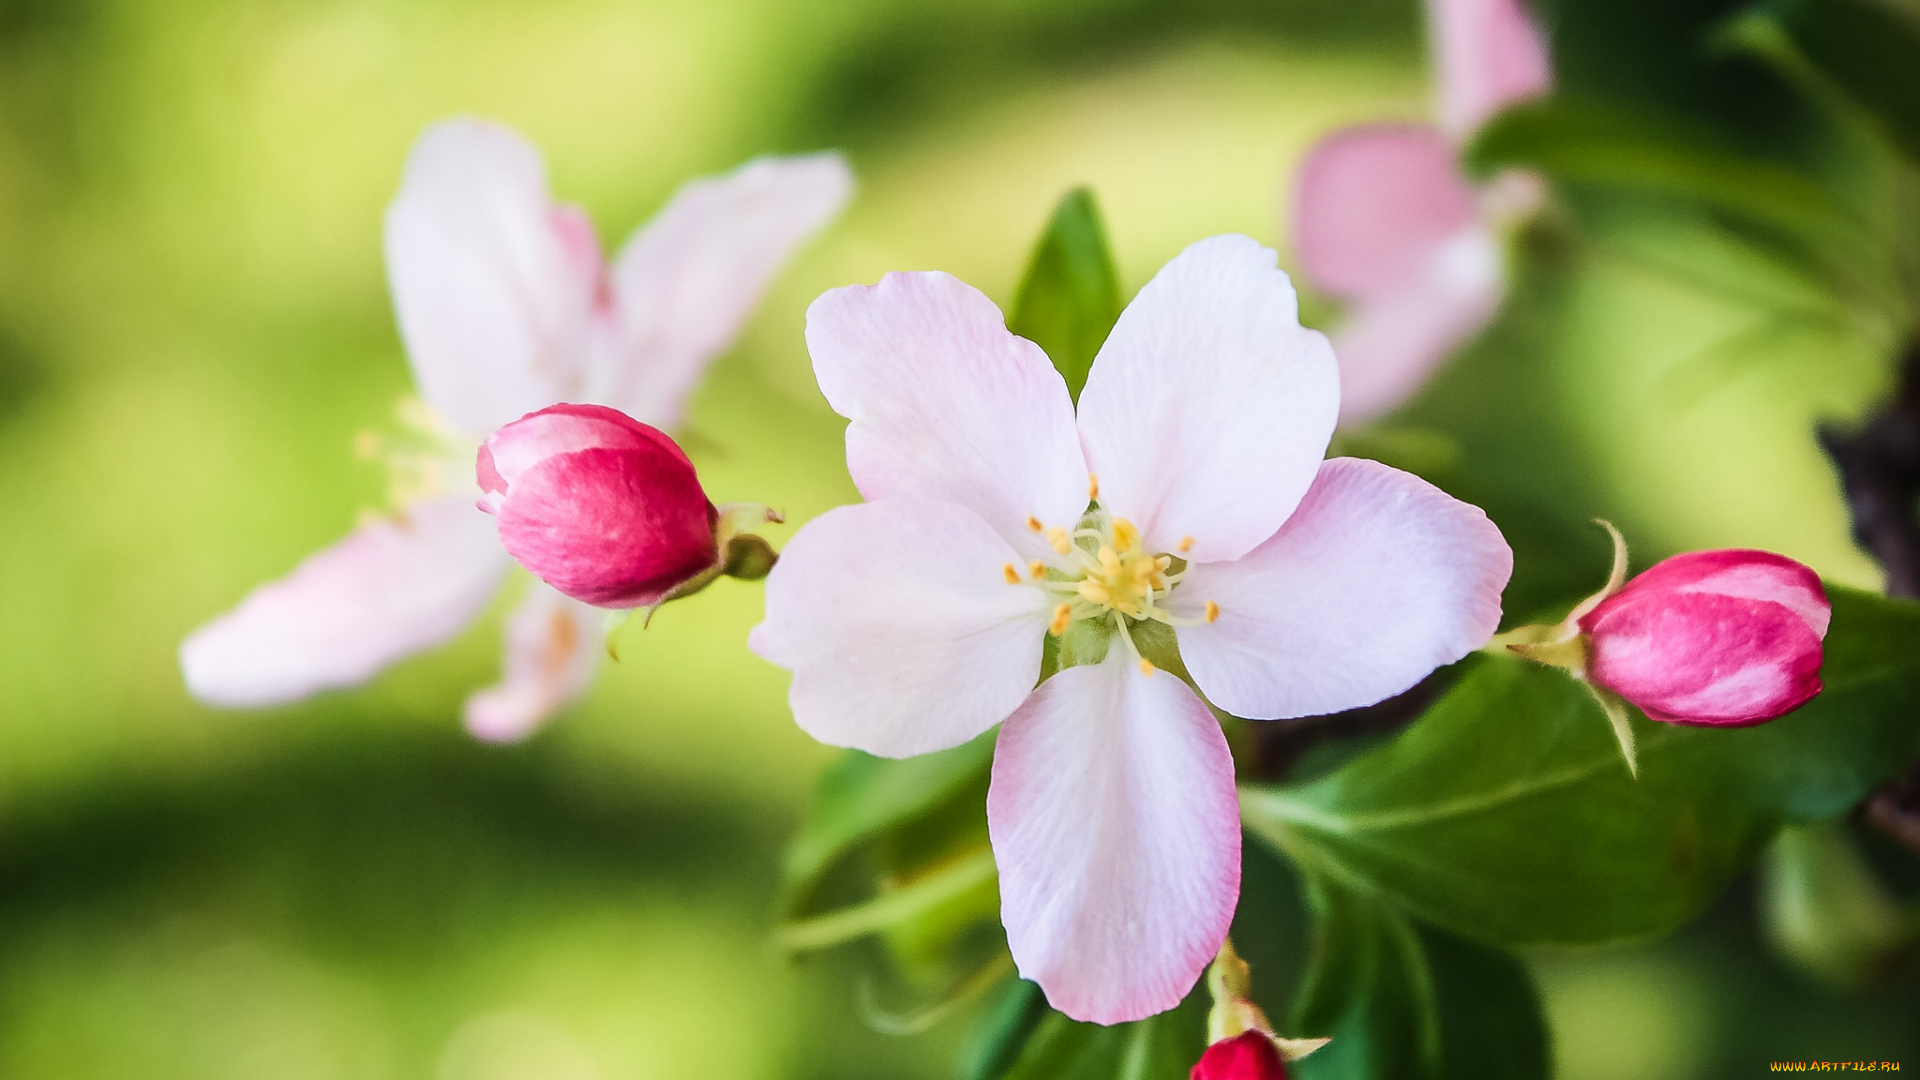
(194, 324)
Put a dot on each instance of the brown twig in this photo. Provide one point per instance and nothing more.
(1879, 465)
(1278, 745)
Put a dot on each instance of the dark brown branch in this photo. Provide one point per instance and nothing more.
(1879, 468)
(1895, 809)
(1278, 745)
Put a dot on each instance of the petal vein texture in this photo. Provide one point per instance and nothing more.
(1209, 407)
(1116, 829)
(1376, 580)
(901, 632)
(945, 402)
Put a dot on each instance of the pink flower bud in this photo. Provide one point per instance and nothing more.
(1729, 638)
(598, 505)
(1250, 1055)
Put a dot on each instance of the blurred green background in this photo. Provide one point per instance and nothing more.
(194, 323)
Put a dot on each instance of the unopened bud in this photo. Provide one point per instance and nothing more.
(1249, 1055)
(1726, 638)
(1243, 1045)
(598, 505)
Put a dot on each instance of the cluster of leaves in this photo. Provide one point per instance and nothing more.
(1502, 817)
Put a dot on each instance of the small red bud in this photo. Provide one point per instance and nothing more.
(1728, 638)
(1249, 1055)
(598, 505)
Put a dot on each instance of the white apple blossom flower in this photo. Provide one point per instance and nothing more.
(506, 307)
(1188, 493)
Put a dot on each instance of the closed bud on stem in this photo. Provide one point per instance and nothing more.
(1242, 1043)
(609, 511)
(1249, 1055)
(1721, 638)
(1727, 638)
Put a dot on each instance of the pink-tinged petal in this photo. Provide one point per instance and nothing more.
(1372, 206)
(1738, 572)
(564, 429)
(490, 285)
(687, 280)
(947, 403)
(553, 644)
(1209, 408)
(598, 505)
(1488, 55)
(1117, 833)
(1705, 658)
(389, 589)
(1389, 344)
(900, 628)
(1376, 580)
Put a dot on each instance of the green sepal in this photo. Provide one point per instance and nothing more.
(1070, 296)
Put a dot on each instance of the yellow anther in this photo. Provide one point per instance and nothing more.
(1062, 618)
(1164, 562)
(1037, 569)
(1034, 523)
(1146, 666)
(1095, 592)
(1109, 561)
(1125, 535)
(1093, 486)
(1012, 575)
(1213, 611)
(1159, 583)
(1186, 544)
(1057, 536)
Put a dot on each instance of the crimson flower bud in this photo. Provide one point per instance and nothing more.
(1726, 638)
(1250, 1055)
(598, 505)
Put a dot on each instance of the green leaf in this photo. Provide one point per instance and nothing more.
(1865, 49)
(1003, 1033)
(1591, 142)
(1506, 815)
(1162, 1047)
(963, 887)
(1070, 296)
(1401, 1000)
(1827, 912)
(861, 796)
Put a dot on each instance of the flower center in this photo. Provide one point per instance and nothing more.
(425, 457)
(1103, 572)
